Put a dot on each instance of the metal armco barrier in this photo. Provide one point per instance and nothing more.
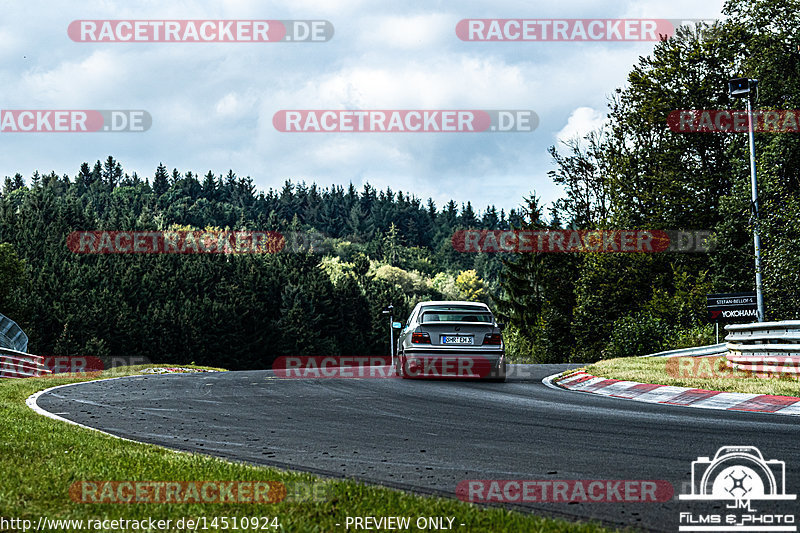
(11, 336)
(699, 351)
(764, 347)
(15, 364)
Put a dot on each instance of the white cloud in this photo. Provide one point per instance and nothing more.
(77, 82)
(439, 82)
(236, 105)
(582, 121)
(212, 104)
(423, 31)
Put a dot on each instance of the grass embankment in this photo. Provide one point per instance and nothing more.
(709, 373)
(41, 458)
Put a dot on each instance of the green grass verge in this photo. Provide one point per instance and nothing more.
(41, 458)
(709, 373)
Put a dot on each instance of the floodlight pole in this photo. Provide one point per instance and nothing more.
(754, 193)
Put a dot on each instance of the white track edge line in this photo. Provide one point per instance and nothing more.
(31, 402)
(548, 381)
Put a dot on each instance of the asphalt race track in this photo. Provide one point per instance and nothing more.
(427, 436)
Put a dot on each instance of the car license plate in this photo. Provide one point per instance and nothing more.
(450, 339)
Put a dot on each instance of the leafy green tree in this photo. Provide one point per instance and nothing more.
(636, 173)
(470, 286)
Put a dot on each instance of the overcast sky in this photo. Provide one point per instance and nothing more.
(212, 104)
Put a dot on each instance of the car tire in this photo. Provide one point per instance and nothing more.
(399, 365)
(499, 375)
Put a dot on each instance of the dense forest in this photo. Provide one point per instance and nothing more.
(382, 247)
(637, 173)
(237, 310)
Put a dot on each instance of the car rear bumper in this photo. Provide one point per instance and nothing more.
(454, 363)
(455, 351)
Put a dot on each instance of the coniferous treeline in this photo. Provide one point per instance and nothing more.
(238, 311)
(390, 247)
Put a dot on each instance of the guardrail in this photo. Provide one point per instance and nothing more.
(699, 351)
(764, 347)
(12, 336)
(16, 364)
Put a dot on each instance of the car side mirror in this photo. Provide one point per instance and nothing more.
(501, 326)
(397, 325)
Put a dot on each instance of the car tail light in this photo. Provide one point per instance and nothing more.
(420, 338)
(493, 339)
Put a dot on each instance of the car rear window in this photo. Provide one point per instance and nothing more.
(461, 315)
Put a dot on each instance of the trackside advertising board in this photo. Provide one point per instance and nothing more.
(730, 307)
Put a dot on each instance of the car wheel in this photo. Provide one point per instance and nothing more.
(498, 375)
(399, 366)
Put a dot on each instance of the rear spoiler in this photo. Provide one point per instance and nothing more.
(458, 322)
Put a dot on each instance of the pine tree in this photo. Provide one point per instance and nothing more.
(468, 219)
(112, 172)
(160, 180)
(209, 187)
(84, 177)
(392, 245)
